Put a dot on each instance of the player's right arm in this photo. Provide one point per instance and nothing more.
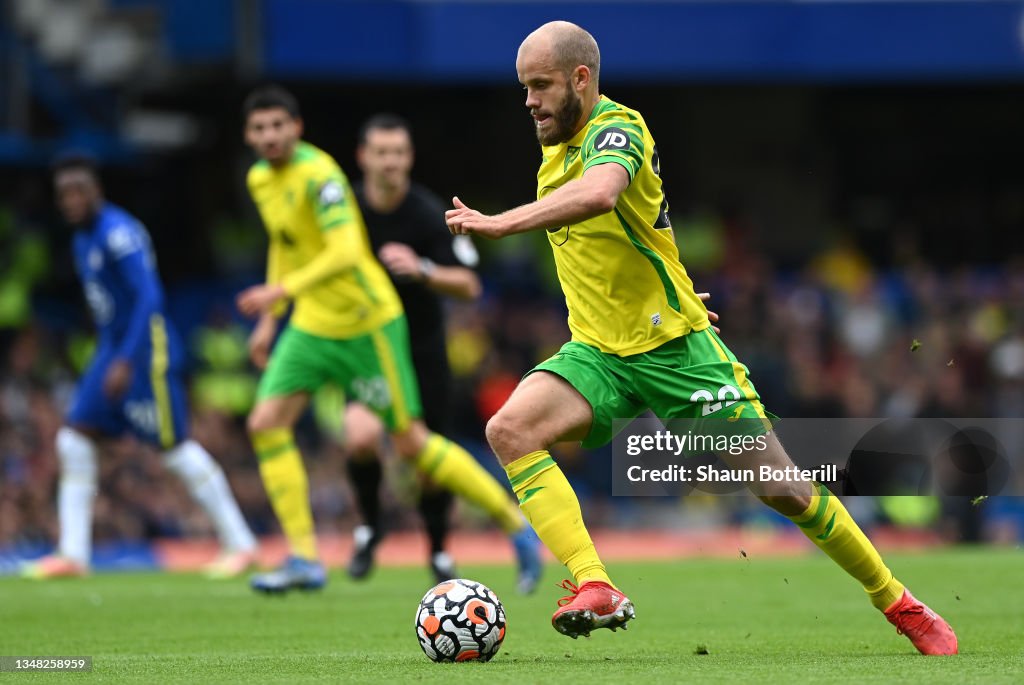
(593, 194)
(341, 231)
(613, 153)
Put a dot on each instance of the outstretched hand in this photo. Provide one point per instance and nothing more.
(464, 220)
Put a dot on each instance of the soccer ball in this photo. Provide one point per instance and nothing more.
(460, 620)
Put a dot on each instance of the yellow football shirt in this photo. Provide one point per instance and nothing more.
(624, 285)
(319, 250)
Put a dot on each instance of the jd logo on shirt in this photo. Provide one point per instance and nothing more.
(612, 139)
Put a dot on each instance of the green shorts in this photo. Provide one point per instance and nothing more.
(692, 377)
(375, 369)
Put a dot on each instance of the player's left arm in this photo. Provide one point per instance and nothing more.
(593, 194)
(133, 257)
(340, 252)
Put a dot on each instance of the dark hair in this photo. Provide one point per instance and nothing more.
(270, 97)
(76, 161)
(384, 121)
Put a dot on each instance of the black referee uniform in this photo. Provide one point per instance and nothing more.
(419, 223)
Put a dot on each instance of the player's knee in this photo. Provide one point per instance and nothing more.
(260, 420)
(190, 462)
(506, 434)
(410, 442)
(362, 436)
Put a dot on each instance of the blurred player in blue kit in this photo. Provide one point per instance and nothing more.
(134, 383)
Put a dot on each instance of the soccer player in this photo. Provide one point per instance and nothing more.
(405, 222)
(134, 382)
(347, 327)
(641, 338)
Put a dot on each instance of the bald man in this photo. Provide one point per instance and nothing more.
(641, 339)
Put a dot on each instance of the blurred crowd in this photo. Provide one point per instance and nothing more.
(833, 336)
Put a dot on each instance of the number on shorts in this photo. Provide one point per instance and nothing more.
(727, 396)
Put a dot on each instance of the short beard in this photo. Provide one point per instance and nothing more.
(565, 117)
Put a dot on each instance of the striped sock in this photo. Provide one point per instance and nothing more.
(284, 478)
(455, 469)
(829, 526)
(551, 507)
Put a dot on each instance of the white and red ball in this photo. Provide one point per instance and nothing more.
(460, 620)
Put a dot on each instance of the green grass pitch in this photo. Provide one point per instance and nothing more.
(797, 620)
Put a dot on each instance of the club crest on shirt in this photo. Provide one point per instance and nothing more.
(571, 153)
(612, 139)
(558, 236)
(656, 319)
(121, 241)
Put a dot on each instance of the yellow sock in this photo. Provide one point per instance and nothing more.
(829, 526)
(551, 507)
(455, 469)
(284, 478)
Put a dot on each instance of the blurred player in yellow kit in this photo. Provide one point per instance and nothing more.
(347, 328)
(641, 339)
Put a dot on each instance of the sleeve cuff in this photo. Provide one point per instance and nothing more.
(604, 159)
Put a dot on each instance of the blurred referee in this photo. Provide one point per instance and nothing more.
(408, 233)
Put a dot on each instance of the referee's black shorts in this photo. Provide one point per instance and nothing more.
(430, 359)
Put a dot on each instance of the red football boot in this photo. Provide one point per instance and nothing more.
(926, 629)
(591, 606)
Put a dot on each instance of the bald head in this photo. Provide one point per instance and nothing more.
(566, 46)
(558, 65)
